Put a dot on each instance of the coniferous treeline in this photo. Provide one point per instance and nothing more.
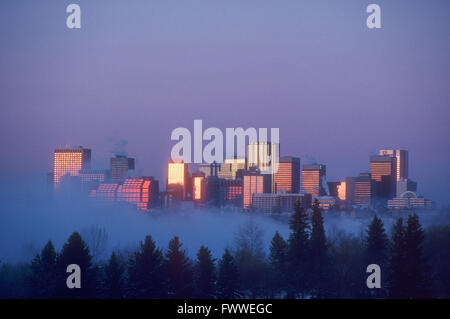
(307, 264)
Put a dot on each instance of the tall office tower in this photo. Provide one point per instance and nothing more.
(287, 178)
(265, 156)
(383, 172)
(69, 161)
(230, 167)
(198, 187)
(359, 190)
(313, 179)
(255, 183)
(177, 179)
(401, 157)
(120, 165)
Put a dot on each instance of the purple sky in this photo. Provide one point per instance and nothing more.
(138, 69)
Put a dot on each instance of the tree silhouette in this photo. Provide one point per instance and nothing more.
(278, 263)
(76, 251)
(228, 278)
(376, 250)
(298, 253)
(416, 268)
(318, 254)
(146, 272)
(114, 284)
(398, 280)
(44, 273)
(204, 274)
(179, 271)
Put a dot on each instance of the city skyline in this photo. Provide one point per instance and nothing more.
(230, 69)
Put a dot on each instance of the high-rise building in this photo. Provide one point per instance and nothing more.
(359, 190)
(265, 156)
(120, 165)
(177, 180)
(230, 167)
(401, 156)
(92, 178)
(314, 179)
(198, 187)
(255, 183)
(287, 177)
(69, 161)
(383, 172)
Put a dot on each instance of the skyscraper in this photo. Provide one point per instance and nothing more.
(401, 157)
(69, 161)
(383, 172)
(254, 183)
(265, 156)
(120, 165)
(287, 177)
(359, 190)
(177, 179)
(314, 179)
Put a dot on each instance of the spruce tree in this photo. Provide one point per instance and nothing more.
(76, 251)
(318, 254)
(43, 277)
(205, 276)
(416, 265)
(228, 278)
(397, 278)
(146, 272)
(179, 271)
(376, 249)
(114, 285)
(298, 252)
(278, 262)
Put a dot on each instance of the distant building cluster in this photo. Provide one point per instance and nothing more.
(239, 182)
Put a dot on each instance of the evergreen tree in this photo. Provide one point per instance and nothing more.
(376, 246)
(205, 276)
(398, 284)
(416, 265)
(76, 251)
(228, 278)
(179, 271)
(278, 262)
(44, 273)
(146, 272)
(114, 285)
(298, 253)
(318, 254)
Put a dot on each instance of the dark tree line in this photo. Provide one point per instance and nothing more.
(308, 264)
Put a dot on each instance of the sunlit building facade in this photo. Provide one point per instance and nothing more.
(383, 172)
(314, 179)
(401, 162)
(287, 177)
(409, 200)
(198, 187)
(254, 183)
(70, 161)
(359, 190)
(141, 193)
(177, 179)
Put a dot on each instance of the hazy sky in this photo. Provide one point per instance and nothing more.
(138, 69)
